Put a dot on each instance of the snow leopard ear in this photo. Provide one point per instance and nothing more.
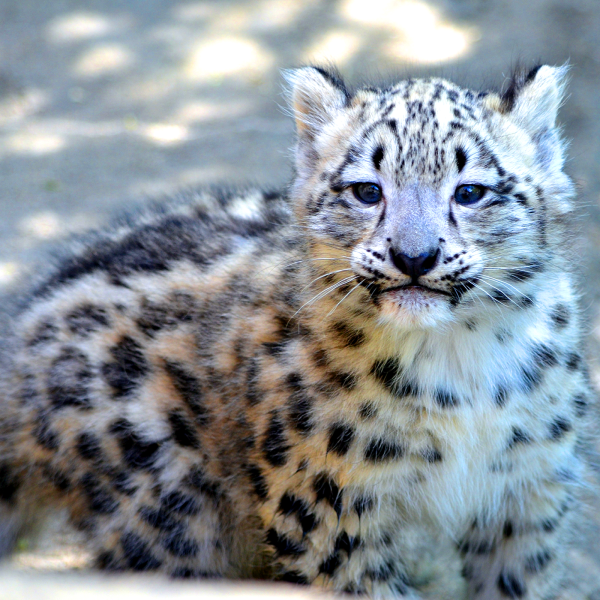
(532, 102)
(316, 95)
(533, 98)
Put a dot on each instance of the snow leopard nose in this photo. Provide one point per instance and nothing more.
(415, 266)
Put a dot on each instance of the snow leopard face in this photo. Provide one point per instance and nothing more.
(444, 202)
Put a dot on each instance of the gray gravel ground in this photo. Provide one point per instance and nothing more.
(106, 102)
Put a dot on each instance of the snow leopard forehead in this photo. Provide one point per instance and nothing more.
(416, 129)
(420, 129)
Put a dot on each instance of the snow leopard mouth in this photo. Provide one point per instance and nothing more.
(415, 289)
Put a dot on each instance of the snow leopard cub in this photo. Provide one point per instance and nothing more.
(327, 384)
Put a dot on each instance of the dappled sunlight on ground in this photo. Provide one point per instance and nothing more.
(104, 59)
(166, 134)
(21, 104)
(32, 143)
(172, 67)
(418, 32)
(78, 26)
(8, 272)
(41, 225)
(225, 56)
(197, 47)
(195, 11)
(199, 112)
(337, 43)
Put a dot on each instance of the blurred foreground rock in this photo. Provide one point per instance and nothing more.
(83, 586)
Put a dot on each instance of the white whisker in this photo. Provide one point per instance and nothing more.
(325, 292)
(333, 309)
(497, 289)
(307, 259)
(326, 275)
(507, 284)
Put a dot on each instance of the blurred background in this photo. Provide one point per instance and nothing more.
(106, 102)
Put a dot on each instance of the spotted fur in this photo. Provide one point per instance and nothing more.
(315, 389)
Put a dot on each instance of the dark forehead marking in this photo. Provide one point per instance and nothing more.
(456, 125)
(351, 156)
(421, 108)
(392, 124)
(414, 108)
(387, 110)
(491, 160)
(437, 91)
(452, 95)
(461, 159)
(486, 155)
(469, 110)
(378, 157)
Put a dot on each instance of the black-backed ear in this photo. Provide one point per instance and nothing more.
(533, 98)
(532, 102)
(316, 95)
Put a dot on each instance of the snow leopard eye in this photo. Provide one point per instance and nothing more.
(469, 194)
(367, 193)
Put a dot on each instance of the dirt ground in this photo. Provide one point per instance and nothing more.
(106, 102)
